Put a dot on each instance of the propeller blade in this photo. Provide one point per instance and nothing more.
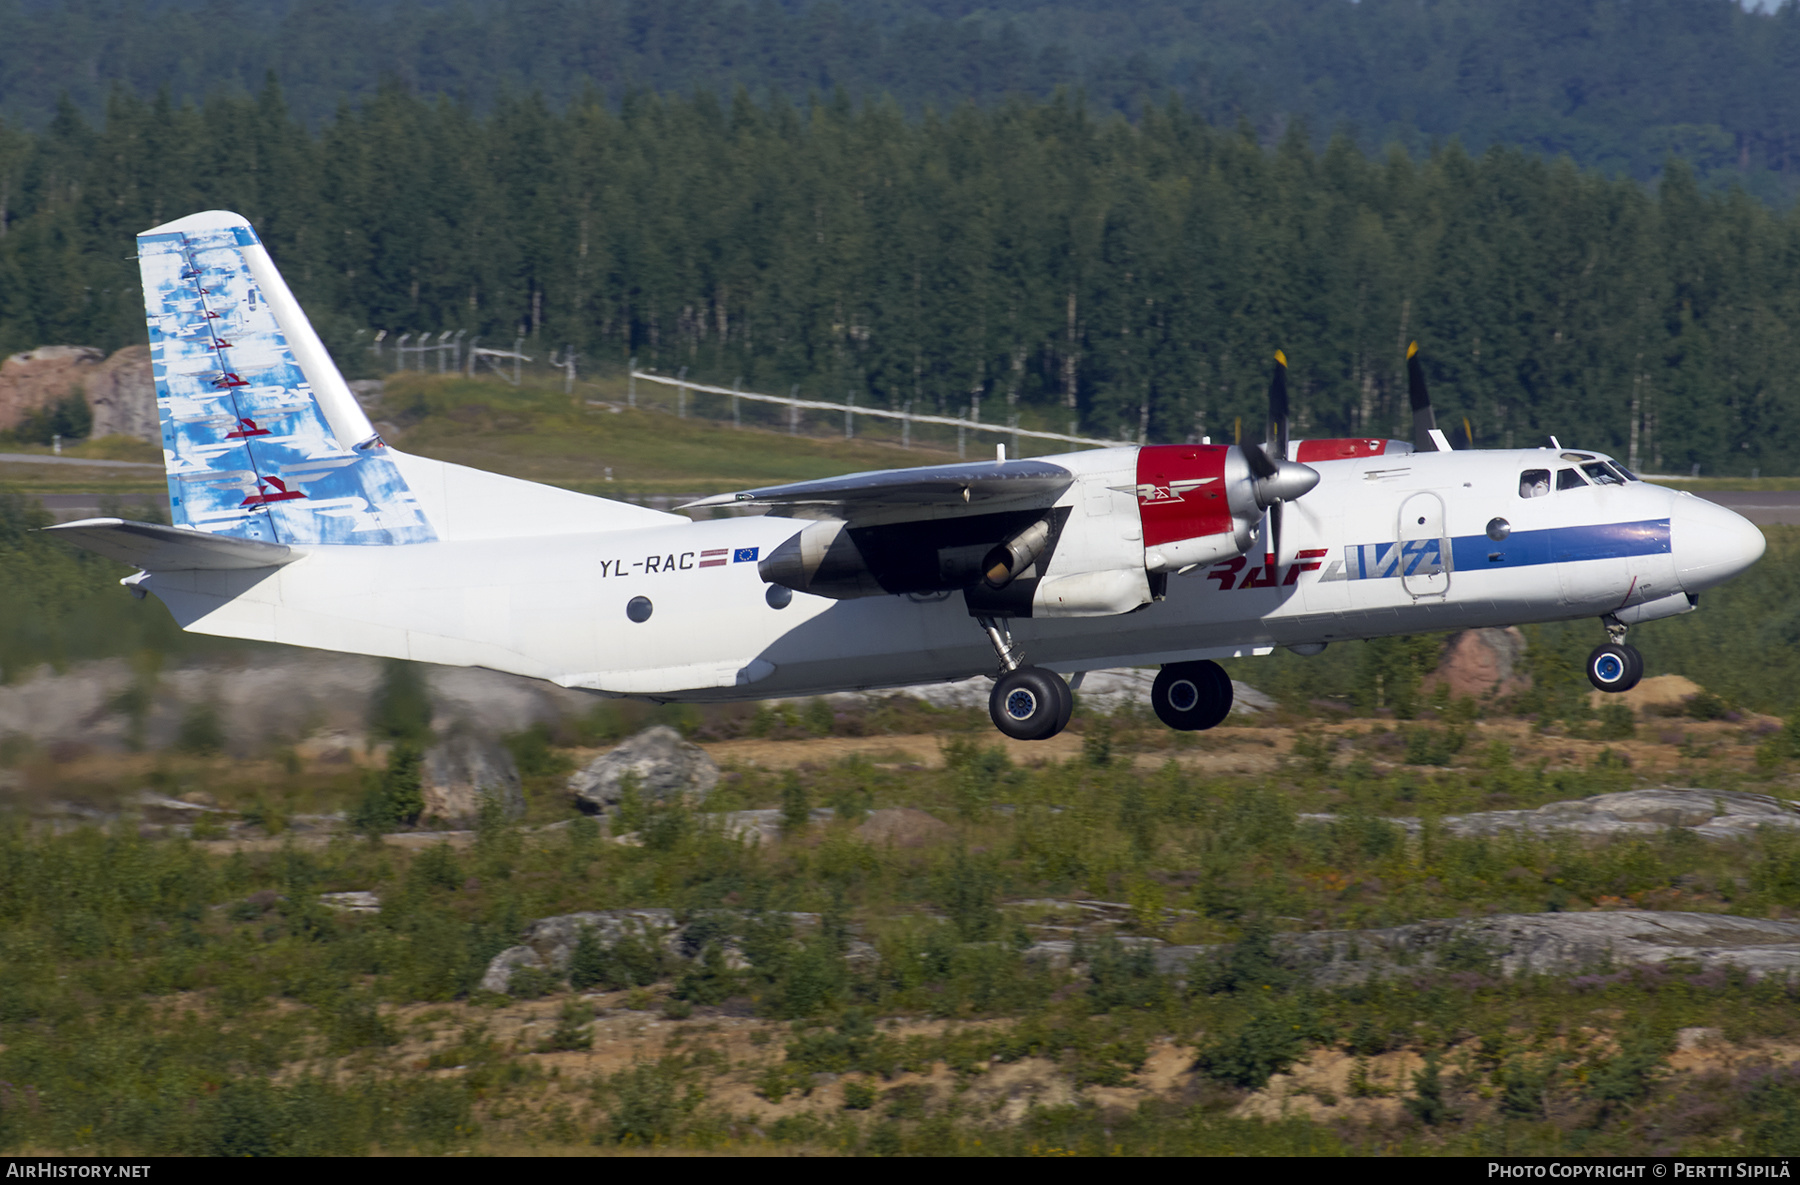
(1260, 465)
(1424, 419)
(1273, 558)
(1468, 434)
(1278, 407)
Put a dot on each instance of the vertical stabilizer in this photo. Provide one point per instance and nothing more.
(261, 437)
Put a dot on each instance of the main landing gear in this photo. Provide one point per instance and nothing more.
(1615, 666)
(1191, 696)
(1027, 703)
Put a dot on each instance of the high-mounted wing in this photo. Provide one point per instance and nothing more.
(889, 495)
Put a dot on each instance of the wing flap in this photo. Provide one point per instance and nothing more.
(983, 485)
(156, 548)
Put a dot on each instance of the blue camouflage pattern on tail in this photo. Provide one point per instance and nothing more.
(248, 450)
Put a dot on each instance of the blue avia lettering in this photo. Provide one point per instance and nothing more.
(1378, 561)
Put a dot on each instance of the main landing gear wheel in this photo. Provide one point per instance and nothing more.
(1030, 704)
(1615, 667)
(1190, 696)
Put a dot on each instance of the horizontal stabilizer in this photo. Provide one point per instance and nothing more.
(156, 548)
(857, 495)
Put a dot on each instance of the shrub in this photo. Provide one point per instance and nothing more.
(1265, 1045)
(574, 1029)
(1615, 722)
(1427, 1103)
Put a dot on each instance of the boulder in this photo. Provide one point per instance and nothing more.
(37, 378)
(459, 772)
(665, 764)
(1481, 663)
(122, 395)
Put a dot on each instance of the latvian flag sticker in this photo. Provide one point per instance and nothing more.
(714, 558)
(744, 555)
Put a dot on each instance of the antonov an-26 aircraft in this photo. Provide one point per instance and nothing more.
(294, 522)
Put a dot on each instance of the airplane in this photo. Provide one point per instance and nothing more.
(294, 522)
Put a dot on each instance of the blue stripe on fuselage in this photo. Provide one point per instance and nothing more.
(1561, 545)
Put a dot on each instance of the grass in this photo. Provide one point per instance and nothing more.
(170, 995)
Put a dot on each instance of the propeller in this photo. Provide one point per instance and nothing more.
(1277, 479)
(1424, 419)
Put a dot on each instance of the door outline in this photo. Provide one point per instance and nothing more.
(1424, 564)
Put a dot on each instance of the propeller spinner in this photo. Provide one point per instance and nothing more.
(1277, 479)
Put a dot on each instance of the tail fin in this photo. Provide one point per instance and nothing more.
(261, 437)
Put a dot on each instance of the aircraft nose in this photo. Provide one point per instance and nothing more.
(1710, 543)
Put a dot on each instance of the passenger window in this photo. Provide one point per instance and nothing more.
(1534, 483)
(1601, 474)
(1568, 479)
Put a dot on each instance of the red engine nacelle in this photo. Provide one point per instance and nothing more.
(1192, 510)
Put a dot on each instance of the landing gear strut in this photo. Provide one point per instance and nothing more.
(1027, 703)
(1191, 696)
(1615, 666)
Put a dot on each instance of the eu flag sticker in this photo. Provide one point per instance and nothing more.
(744, 555)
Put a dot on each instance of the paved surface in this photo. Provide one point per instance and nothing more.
(46, 459)
(66, 508)
(1764, 508)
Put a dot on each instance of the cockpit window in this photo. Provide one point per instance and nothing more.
(1568, 479)
(1602, 474)
(1534, 483)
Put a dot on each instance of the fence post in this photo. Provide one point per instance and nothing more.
(962, 448)
(735, 383)
(794, 410)
(849, 412)
(518, 354)
(456, 351)
(469, 372)
(631, 387)
(681, 394)
(906, 424)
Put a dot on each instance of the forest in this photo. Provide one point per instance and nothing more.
(1616, 84)
(1032, 259)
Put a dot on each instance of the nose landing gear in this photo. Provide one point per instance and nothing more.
(1616, 666)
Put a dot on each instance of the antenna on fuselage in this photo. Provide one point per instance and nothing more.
(1424, 419)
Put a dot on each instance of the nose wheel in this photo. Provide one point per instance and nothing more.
(1616, 666)
(1190, 696)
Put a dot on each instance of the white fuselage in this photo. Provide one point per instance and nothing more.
(1383, 545)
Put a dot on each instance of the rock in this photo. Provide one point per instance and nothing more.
(354, 901)
(1662, 691)
(665, 764)
(157, 808)
(459, 772)
(760, 826)
(1716, 814)
(498, 977)
(37, 378)
(1697, 1037)
(904, 827)
(1553, 944)
(1482, 663)
(122, 395)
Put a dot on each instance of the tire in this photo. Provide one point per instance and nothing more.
(1030, 704)
(1615, 668)
(1192, 696)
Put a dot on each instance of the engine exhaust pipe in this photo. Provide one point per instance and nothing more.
(1004, 563)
